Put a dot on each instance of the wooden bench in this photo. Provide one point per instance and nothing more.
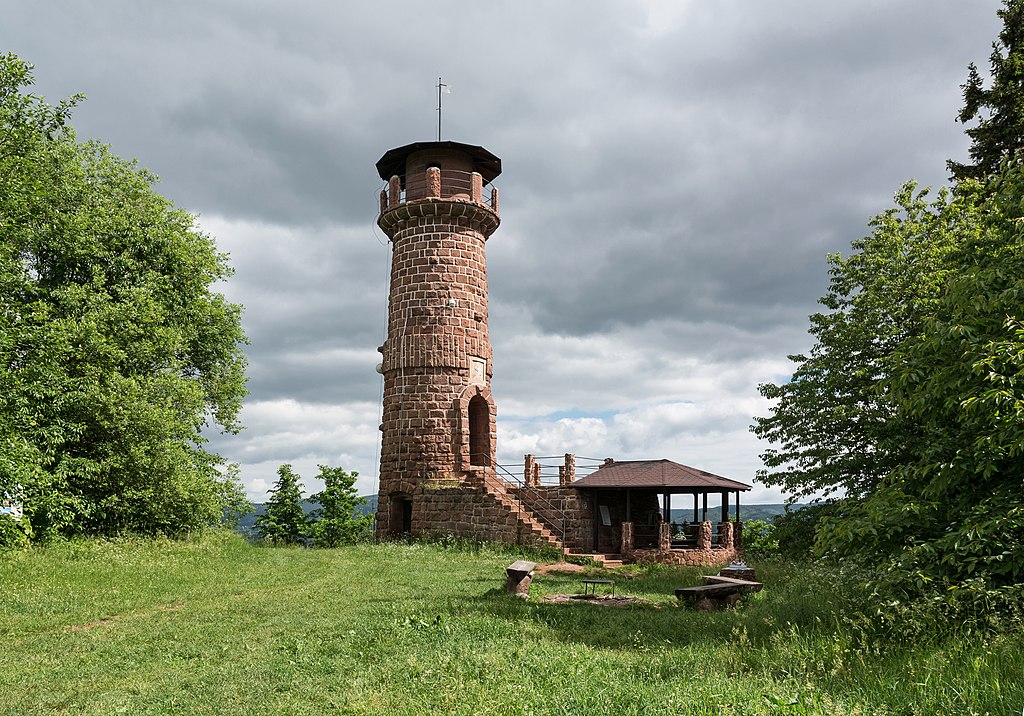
(718, 593)
(520, 575)
(744, 585)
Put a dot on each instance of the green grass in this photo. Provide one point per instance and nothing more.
(216, 626)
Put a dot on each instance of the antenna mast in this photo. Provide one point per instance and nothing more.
(441, 86)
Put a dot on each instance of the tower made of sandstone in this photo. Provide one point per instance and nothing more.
(438, 428)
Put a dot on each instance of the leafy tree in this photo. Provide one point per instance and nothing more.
(797, 530)
(998, 109)
(944, 505)
(337, 520)
(115, 353)
(909, 410)
(283, 520)
(953, 510)
(831, 422)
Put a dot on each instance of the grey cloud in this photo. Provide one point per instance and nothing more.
(674, 175)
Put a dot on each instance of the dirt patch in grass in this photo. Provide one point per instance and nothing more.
(118, 617)
(602, 600)
(567, 567)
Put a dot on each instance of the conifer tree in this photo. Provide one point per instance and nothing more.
(337, 520)
(283, 520)
(999, 109)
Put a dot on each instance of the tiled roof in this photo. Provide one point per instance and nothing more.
(656, 474)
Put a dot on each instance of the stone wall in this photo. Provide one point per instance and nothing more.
(703, 555)
(685, 557)
(487, 511)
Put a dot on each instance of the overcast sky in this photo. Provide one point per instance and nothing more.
(674, 174)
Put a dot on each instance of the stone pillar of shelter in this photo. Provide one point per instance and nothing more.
(664, 536)
(704, 535)
(627, 539)
(725, 534)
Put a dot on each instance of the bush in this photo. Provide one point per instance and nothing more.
(759, 540)
(796, 530)
(338, 520)
(15, 532)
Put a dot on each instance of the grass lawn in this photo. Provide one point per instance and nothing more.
(213, 625)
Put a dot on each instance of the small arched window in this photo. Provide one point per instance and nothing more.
(479, 431)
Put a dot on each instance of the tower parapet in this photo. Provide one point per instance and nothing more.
(438, 170)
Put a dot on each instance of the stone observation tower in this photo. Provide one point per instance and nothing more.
(438, 437)
(438, 473)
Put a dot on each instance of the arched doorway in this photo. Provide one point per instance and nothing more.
(479, 432)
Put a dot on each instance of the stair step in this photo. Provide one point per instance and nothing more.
(498, 490)
(610, 560)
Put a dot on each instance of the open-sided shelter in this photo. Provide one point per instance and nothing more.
(634, 501)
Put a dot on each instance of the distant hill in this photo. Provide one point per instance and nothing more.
(747, 512)
(764, 512)
(247, 525)
(371, 504)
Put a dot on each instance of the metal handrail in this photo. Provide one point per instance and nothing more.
(455, 184)
(552, 506)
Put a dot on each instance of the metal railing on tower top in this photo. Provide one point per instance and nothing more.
(435, 183)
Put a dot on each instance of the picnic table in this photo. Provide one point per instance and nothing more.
(591, 584)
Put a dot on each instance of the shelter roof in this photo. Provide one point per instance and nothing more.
(656, 474)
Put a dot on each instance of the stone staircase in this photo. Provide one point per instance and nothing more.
(530, 528)
(533, 529)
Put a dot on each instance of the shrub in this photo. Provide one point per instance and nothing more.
(759, 540)
(15, 532)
